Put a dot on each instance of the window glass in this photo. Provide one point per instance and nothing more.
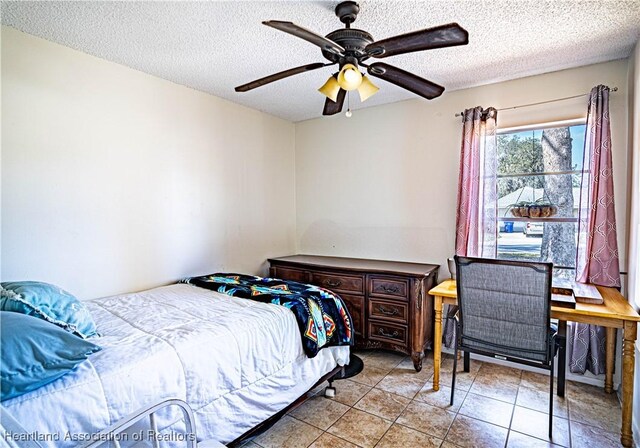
(539, 174)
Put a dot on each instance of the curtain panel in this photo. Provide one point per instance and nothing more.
(597, 255)
(476, 226)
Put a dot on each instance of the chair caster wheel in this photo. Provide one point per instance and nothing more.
(330, 392)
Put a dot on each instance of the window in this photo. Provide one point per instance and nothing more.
(539, 171)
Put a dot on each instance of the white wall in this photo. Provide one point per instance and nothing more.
(383, 184)
(114, 180)
(0, 162)
(634, 176)
(634, 218)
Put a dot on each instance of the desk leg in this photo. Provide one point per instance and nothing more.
(562, 356)
(610, 356)
(628, 364)
(437, 341)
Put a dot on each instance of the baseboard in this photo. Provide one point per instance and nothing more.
(587, 378)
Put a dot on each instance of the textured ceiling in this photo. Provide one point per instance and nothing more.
(214, 46)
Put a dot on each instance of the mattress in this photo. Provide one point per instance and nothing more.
(235, 361)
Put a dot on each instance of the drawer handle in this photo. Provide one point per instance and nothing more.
(390, 289)
(333, 283)
(381, 332)
(386, 312)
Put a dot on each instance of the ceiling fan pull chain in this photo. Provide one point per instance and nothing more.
(348, 113)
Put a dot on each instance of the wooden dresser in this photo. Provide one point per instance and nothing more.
(387, 300)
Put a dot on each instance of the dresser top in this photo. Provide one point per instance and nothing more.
(359, 264)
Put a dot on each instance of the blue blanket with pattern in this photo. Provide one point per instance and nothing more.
(322, 315)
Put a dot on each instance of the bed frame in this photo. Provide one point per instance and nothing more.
(109, 434)
(268, 423)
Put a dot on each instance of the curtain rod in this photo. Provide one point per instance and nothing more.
(614, 89)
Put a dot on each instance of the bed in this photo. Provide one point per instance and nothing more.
(236, 362)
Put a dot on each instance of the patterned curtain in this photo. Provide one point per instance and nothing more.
(597, 256)
(476, 228)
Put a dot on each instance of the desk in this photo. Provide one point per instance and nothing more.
(614, 313)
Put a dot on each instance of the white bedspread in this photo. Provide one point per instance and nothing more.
(235, 361)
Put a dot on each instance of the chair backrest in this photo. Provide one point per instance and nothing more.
(505, 307)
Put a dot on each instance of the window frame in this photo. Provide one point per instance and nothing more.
(539, 127)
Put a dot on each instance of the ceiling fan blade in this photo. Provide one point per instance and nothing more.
(303, 33)
(276, 76)
(334, 107)
(406, 80)
(441, 36)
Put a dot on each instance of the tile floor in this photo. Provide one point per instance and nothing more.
(389, 405)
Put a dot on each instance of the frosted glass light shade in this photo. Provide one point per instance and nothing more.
(367, 89)
(349, 77)
(330, 89)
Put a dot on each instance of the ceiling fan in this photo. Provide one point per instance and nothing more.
(349, 48)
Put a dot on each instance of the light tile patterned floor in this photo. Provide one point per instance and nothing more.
(390, 405)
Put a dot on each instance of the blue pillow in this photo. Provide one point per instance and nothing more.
(50, 303)
(34, 353)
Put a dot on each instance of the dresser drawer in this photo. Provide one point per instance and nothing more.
(383, 331)
(296, 275)
(355, 305)
(389, 310)
(388, 287)
(339, 282)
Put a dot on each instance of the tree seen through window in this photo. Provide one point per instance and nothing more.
(540, 167)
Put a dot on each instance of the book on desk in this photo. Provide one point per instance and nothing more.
(566, 293)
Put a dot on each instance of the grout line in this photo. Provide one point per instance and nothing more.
(314, 440)
(366, 412)
(566, 399)
(513, 411)
(456, 412)
(454, 419)
(390, 393)
(341, 438)
(421, 431)
(385, 433)
(362, 410)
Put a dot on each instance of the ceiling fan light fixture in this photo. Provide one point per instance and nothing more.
(367, 89)
(350, 48)
(330, 89)
(349, 77)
